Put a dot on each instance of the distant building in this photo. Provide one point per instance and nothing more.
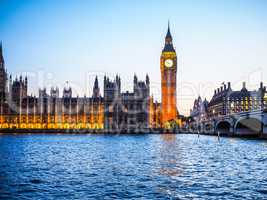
(225, 101)
(199, 111)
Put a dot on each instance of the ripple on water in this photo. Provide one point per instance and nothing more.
(120, 167)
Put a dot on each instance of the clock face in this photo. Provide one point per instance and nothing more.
(168, 63)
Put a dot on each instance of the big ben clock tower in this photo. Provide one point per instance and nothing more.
(168, 68)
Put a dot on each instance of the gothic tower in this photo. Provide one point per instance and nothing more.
(96, 90)
(3, 76)
(168, 68)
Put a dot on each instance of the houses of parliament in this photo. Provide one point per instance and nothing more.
(114, 110)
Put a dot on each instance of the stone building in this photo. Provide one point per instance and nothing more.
(155, 114)
(51, 111)
(116, 110)
(128, 110)
(225, 101)
(199, 111)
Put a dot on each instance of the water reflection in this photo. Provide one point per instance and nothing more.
(168, 137)
(169, 156)
(131, 167)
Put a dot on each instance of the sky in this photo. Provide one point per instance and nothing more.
(55, 42)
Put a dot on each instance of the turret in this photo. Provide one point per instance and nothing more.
(3, 76)
(54, 92)
(228, 85)
(42, 92)
(118, 84)
(2, 61)
(147, 80)
(26, 82)
(96, 82)
(261, 85)
(244, 84)
(67, 92)
(10, 83)
(244, 89)
(105, 81)
(135, 79)
(96, 90)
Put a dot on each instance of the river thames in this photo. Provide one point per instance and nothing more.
(131, 167)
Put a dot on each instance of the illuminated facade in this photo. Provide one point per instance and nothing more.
(168, 68)
(155, 114)
(225, 101)
(116, 110)
(49, 111)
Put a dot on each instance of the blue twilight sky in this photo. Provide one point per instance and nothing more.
(58, 41)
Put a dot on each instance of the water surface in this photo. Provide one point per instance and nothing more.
(131, 167)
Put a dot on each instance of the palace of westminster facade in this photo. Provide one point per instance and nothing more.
(115, 110)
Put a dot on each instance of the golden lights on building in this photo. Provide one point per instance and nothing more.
(53, 112)
(115, 109)
(226, 101)
(168, 68)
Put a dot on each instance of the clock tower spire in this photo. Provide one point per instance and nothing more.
(168, 41)
(168, 68)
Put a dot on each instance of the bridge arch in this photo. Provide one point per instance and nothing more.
(248, 126)
(224, 127)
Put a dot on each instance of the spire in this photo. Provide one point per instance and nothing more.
(2, 62)
(1, 49)
(147, 79)
(168, 35)
(96, 82)
(135, 78)
(96, 90)
(168, 41)
(244, 89)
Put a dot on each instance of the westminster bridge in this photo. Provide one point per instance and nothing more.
(252, 123)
